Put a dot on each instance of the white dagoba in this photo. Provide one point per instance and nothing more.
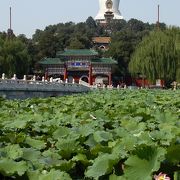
(108, 6)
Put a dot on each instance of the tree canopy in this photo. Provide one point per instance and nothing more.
(14, 57)
(125, 39)
(156, 57)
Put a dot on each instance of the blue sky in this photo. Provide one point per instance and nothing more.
(29, 15)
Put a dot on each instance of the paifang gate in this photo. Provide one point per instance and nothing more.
(78, 64)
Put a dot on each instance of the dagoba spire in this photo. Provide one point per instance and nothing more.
(108, 7)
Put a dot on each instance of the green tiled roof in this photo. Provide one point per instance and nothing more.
(78, 52)
(47, 61)
(103, 61)
(56, 61)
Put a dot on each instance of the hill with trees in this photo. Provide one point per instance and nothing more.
(125, 38)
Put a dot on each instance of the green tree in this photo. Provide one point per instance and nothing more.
(177, 32)
(75, 44)
(117, 25)
(122, 46)
(125, 36)
(14, 57)
(156, 56)
(91, 23)
(135, 25)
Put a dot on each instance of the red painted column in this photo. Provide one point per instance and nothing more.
(46, 74)
(65, 73)
(90, 74)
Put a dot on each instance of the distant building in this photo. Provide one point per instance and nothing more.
(80, 64)
(108, 10)
(101, 42)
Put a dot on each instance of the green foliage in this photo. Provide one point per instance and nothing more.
(75, 44)
(45, 175)
(173, 155)
(58, 37)
(126, 35)
(37, 144)
(14, 57)
(9, 167)
(156, 57)
(103, 135)
(102, 165)
(145, 161)
(91, 23)
(122, 46)
(12, 151)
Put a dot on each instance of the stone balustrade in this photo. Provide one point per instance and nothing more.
(23, 88)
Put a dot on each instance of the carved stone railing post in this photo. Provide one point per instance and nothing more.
(73, 81)
(3, 76)
(14, 77)
(51, 79)
(24, 78)
(34, 78)
(43, 79)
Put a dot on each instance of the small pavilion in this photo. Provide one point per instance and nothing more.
(101, 42)
(79, 64)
